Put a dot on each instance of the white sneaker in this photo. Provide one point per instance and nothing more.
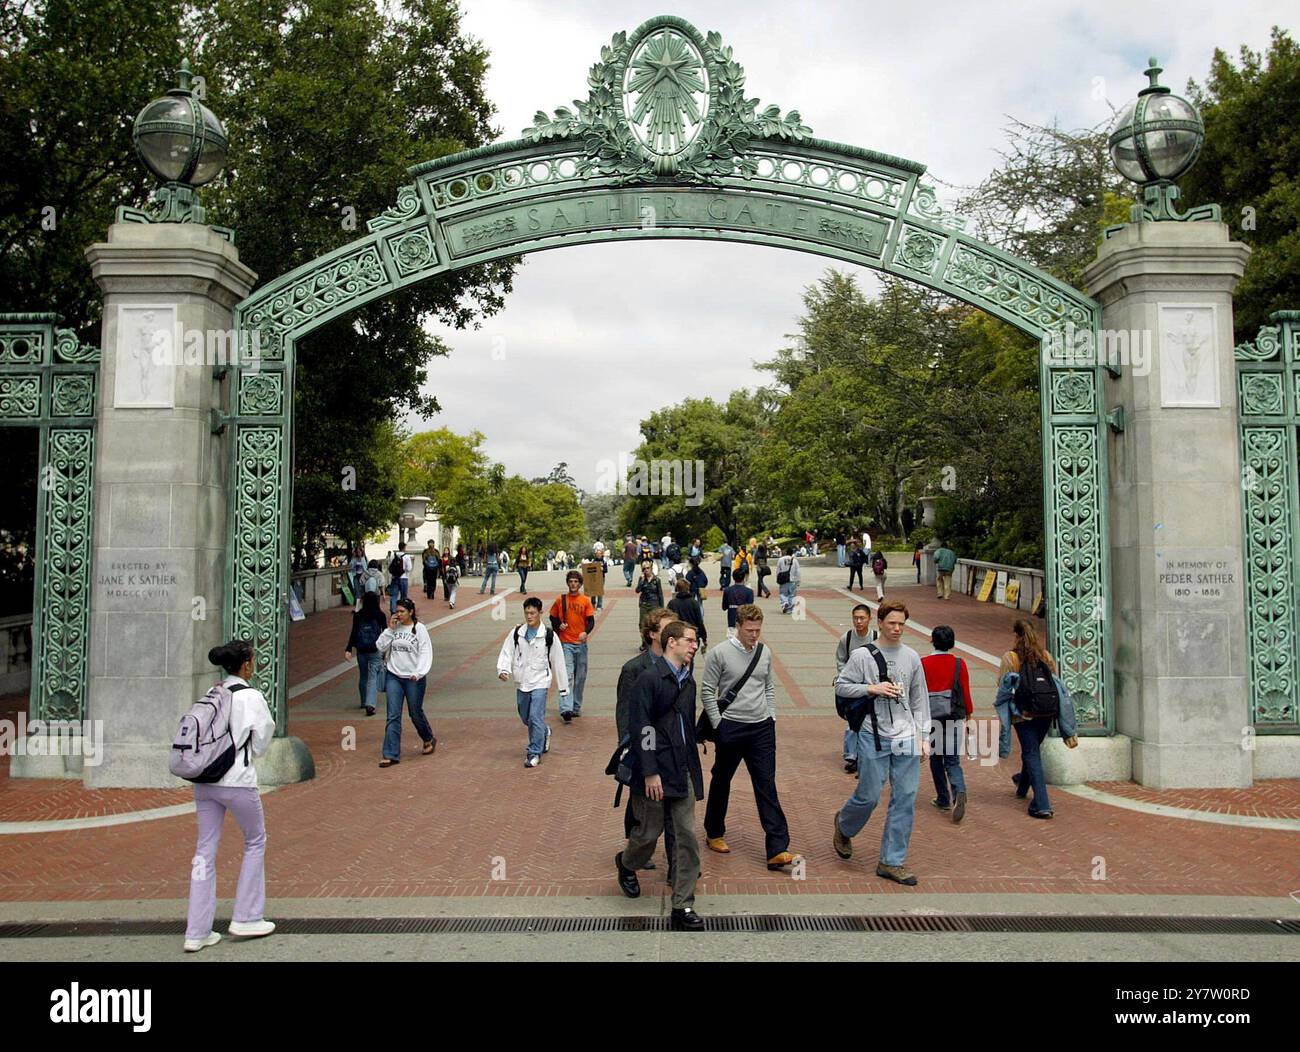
(195, 945)
(547, 747)
(532, 761)
(251, 929)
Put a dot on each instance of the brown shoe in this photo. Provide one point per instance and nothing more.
(716, 843)
(429, 746)
(900, 874)
(785, 858)
(843, 845)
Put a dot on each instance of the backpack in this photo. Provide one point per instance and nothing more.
(674, 553)
(396, 566)
(368, 633)
(878, 564)
(783, 576)
(949, 704)
(854, 710)
(1036, 693)
(550, 637)
(371, 584)
(451, 574)
(203, 750)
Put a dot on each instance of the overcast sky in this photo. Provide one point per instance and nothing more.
(596, 337)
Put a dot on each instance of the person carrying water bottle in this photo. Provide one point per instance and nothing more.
(251, 728)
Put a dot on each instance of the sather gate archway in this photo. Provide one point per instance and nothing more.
(667, 145)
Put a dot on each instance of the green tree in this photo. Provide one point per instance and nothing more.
(1250, 165)
(71, 82)
(722, 438)
(327, 103)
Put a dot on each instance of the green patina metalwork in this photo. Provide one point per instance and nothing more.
(48, 380)
(667, 146)
(1268, 399)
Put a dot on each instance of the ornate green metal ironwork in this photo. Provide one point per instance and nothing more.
(1268, 392)
(666, 145)
(48, 380)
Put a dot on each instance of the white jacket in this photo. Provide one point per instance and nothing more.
(529, 663)
(249, 714)
(406, 653)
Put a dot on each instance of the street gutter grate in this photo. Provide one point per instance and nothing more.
(756, 924)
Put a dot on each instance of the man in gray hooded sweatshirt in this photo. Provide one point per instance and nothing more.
(893, 738)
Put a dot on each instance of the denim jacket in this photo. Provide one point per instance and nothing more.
(1066, 721)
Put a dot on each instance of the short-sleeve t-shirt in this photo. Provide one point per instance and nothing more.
(575, 623)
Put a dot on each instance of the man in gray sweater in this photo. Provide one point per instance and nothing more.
(745, 731)
(894, 737)
(858, 636)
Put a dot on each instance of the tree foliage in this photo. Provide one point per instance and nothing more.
(723, 439)
(1250, 165)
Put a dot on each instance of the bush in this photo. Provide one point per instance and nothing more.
(920, 537)
(713, 540)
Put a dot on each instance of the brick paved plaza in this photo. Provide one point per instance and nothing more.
(471, 825)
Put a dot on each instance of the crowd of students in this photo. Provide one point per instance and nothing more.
(900, 708)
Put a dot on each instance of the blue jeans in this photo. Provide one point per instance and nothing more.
(1004, 736)
(945, 761)
(575, 664)
(370, 670)
(787, 595)
(396, 590)
(412, 690)
(850, 743)
(532, 710)
(488, 574)
(1031, 734)
(628, 567)
(839, 555)
(903, 769)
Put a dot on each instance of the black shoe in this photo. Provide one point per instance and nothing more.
(627, 878)
(687, 920)
(650, 865)
(851, 766)
(567, 717)
(576, 714)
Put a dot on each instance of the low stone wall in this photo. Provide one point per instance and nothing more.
(318, 589)
(15, 654)
(968, 577)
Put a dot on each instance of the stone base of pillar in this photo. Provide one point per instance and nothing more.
(132, 765)
(1277, 756)
(1184, 765)
(135, 765)
(71, 764)
(287, 761)
(1094, 760)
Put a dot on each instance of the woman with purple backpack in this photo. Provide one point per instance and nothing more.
(251, 729)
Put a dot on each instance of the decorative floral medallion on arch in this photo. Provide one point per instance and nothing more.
(669, 142)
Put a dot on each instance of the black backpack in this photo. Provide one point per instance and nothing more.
(674, 553)
(550, 637)
(855, 710)
(396, 566)
(1036, 693)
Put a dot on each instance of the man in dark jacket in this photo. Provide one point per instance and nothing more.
(665, 772)
(652, 623)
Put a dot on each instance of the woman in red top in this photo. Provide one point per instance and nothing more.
(944, 671)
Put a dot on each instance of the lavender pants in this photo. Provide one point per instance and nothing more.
(212, 802)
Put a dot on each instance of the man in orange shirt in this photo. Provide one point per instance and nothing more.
(573, 617)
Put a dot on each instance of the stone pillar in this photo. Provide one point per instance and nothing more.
(1175, 501)
(160, 500)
